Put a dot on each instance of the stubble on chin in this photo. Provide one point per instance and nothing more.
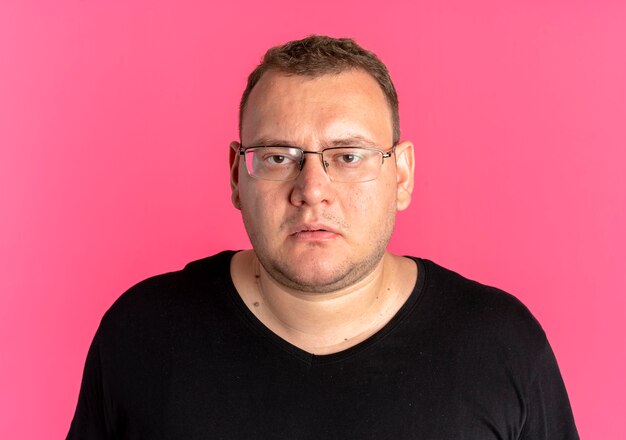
(317, 277)
(311, 273)
(318, 271)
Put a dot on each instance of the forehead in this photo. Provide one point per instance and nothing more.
(317, 110)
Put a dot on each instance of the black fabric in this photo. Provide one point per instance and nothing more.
(179, 356)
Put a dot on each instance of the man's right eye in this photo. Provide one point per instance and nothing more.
(274, 160)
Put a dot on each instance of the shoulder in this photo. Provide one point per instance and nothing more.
(481, 313)
(457, 292)
(167, 296)
(494, 347)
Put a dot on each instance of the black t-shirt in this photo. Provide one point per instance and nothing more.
(179, 356)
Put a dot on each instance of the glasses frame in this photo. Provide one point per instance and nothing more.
(383, 154)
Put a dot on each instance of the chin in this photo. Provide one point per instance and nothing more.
(317, 284)
(320, 275)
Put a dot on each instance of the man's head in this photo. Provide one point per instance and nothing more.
(318, 55)
(312, 231)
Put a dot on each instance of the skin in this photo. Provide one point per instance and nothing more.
(319, 275)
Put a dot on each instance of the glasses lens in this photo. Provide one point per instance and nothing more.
(352, 164)
(343, 164)
(273, 163)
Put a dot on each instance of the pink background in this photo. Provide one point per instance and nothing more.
(115, 119)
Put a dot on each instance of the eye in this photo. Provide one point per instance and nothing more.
(275, 159)
(349, 158)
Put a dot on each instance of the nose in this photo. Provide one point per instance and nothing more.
(312, 186)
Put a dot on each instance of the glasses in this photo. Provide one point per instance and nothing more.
(342, 164)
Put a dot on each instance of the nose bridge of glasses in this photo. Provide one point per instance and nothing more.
(319, 153)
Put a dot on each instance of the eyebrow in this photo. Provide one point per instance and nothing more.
(270, 142)
(348, 141)
(353, 141)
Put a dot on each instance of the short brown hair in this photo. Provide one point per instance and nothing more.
(318, 55)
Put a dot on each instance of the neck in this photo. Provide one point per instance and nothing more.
(323, 323)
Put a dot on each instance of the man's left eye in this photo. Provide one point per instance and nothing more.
(348, 158)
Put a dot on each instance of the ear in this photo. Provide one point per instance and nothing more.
(234, 159)
(405, 165)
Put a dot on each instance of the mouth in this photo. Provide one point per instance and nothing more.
(314, 232)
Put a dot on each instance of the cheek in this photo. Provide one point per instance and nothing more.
(384, 194)
(370, 207)
(260, 207)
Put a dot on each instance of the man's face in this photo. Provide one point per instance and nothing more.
(313, 234)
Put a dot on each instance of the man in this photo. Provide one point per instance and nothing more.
(318, 332)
